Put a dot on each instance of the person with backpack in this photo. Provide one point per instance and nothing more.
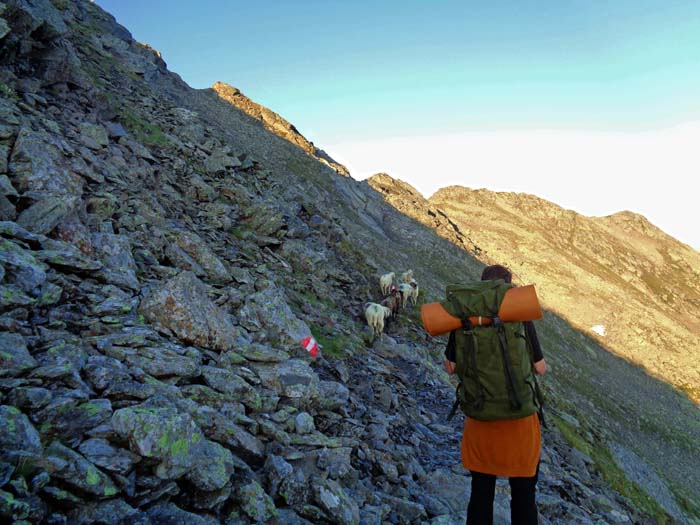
(496, 365)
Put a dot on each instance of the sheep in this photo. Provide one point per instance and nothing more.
(385, 282)
(407, 276)
(406, 291)
(375, 315)
(414, 294)
(392, 301)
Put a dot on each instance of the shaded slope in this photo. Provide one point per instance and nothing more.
(617, 402)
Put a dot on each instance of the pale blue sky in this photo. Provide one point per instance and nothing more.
(351, 75)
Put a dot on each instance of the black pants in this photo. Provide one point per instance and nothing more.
(523, 509)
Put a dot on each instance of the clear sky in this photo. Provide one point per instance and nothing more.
(594, 105)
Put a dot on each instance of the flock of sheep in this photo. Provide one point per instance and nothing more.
(394, 298)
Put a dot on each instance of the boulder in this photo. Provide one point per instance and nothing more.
(199, 251)
(227, 382)
(37, 164)
(293, 379)
(268, 311)
(337, 506)
(255, 502)
(174, 439)
(181, 306)
(114, 251)
(21, 267)
(163, 434)
(74, 470)
(14, 357)
(19, 440)
(103, 454)
(94, 136)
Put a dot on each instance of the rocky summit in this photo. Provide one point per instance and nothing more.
(163, 253)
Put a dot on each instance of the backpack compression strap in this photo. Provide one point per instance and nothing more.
(478, 403)
(513, 399)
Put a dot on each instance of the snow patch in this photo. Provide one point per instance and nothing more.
(599, 329)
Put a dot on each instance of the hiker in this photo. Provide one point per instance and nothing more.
(503, 447)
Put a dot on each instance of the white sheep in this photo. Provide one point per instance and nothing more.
(385, 282)
(406, 291)
(414, 293)
(375, 315)
(407, 276)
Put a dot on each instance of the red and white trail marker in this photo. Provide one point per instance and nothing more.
(310, 344)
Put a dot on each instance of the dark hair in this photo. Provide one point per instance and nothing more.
(496, 271)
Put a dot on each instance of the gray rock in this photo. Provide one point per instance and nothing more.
(37, 165)
(212, 468)
(181, 305)
(37, 14)
(21, 265)
(8, 212)
(404, 510)
(45, 214)
(276, 470)
(224, 430)
(304, 423)
(76, 471)
(69, 421)
(332, 395)
(94, 136)
(200, 191)
(289, 517)
(117, 511)
(12, 296)
(226, 382)
(12, 508)
(293, 379)
(28, 398)
(12, 229)
(114, 251)
(160, 433)
(162, 362)
(101, 371)
(170, 514)
(14, 356)
(262, 353)
(219, 162)
(255, 502)
(66, 257)
(115, 130)
(19, 440)
(6, 187)
(460, 488)
(335, 462)
(337, 506)
(268, 311)
(103, 454)
(196, 248)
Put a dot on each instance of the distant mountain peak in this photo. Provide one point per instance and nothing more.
(386, 183)
(276, 124)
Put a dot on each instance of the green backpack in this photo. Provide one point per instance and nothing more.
(494, 362)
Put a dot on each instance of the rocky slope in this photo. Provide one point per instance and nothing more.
(163, 254)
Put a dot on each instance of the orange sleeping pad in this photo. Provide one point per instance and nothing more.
(519, 304)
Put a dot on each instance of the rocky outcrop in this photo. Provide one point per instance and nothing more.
(276, 124)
